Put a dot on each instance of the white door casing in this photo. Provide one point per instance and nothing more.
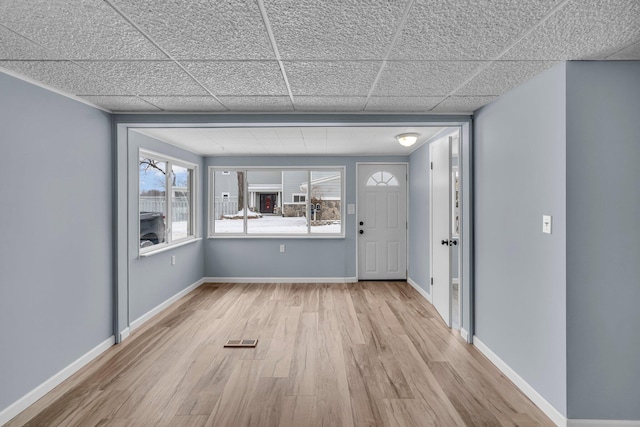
(382, 221)
(440, 207)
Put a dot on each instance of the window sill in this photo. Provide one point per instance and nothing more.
(168, 248)
(276, 236)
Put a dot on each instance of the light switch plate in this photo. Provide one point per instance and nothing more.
(351, 209)
(546, 224)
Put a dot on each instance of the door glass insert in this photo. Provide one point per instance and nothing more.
(382, 178)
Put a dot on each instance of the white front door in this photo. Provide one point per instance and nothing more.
(440, 157)
(382, 221)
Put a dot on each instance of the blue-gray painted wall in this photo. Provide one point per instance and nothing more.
(603, 239)
(520, 273)
(303, 257)
(55, 222)
(153, 280)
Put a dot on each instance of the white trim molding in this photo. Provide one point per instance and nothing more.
(157, 309)
(546, 407)
(125, 334)
(465, 335)
(421, 291)
(280, 279)
(603, 423)
(34, 395)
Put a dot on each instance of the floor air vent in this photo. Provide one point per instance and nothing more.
(241, 343)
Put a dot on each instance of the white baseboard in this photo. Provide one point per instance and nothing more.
(603, 423)
(421, 291)
(34, 395)
(125, 334)
(154, 311)
(465, 335)
(280, 279)
(546, 407)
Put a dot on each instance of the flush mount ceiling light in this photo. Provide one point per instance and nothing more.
(407, 139)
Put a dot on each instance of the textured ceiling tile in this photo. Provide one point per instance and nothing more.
(631, 52)
(329, 103)
(147, 77)
(402, 103)
(334, 29)
(257, 103)
(121, 103)
(463, 104)
(427, 78)
(185, 103)
(331, 78)
(14, 46)
(86, 29)
(202, 29)
(502, 76)
(64, 75)
(239, 78)
(582, 29)
(463, 30)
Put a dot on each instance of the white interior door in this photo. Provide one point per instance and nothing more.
(382, 221)
(440, 157)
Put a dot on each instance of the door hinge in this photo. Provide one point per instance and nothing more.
(432, 280)
(431, 165)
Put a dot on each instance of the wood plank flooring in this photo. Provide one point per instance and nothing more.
(361, 354)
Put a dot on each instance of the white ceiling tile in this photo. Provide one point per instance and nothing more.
(147, 77)
(334, 29)
(402, 103)
(202, 29)
(64, 75)
(331, 77)
(185, 103)
(87, 29)
(14, 46)
(463, 104)
(121, 103)
(502, 76)
(423, 78)
(329, 103)
(257, 103)
(464, 30)
(239, 78)
(629, 53)
(582, 29)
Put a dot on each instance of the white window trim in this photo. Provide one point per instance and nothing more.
(293, 195)
(245, 235)
(169, 243)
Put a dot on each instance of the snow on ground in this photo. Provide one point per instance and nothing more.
(273, 224)
(178, 230)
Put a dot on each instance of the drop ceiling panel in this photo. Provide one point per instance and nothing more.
(423, 78)
(185, 103)
(329, 103)
(87, 29)
(340, 78)
(120, 103)
(501, 76)
(14, 46)
(334, 29)
(463, 104)
(238, 77)
(146, 77)
(402, 103)
(582, 29)
(465, 30)
(257, 103)
(64, 75)
(202, 29)
(632, 52)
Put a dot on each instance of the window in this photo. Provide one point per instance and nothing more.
(382, 178)
(166, 201)
(265, 202)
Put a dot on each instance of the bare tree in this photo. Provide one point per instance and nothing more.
(240, 190)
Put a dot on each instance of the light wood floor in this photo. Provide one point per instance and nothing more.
(362, 354)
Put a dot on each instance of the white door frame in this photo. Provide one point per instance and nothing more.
(358, 210)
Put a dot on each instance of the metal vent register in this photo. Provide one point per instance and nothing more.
(241, 343)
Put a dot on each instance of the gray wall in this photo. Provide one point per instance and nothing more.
(520, 273)
(304, 257)
(603, 237)
(153, 280)
(55, 223)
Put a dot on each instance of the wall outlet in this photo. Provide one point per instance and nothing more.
(281, 248)
(546, 224)
(173, 260)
